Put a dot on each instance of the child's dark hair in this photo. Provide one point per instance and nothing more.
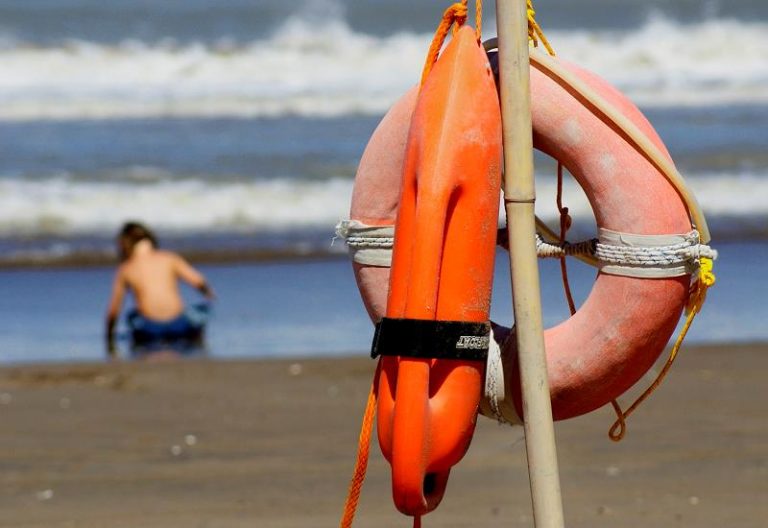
(131, 234)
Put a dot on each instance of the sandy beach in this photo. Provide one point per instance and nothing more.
(203, 443)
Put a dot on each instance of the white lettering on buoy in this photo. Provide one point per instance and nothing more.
(472, 342)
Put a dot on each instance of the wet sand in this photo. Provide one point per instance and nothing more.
(206, 443)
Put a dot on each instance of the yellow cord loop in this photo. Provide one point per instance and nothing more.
(455, 14)
(699, 291)
(535, 33)
(698, 295)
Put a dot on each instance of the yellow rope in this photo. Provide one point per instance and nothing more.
(698, 295)
(535, 33)
(456, 16)
(363, 450)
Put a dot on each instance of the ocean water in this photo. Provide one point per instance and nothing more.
(236, 126)
(313, 309)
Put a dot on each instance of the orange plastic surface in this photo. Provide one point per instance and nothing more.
(442, 269)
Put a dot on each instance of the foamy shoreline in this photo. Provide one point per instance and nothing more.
(660, 63)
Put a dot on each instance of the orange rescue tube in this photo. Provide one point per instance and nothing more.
(442, 268)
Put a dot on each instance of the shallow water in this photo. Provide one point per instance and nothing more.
(302, 309)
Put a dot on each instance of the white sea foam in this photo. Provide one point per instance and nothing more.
(67, 207)
(70, 207)
(731, 202)
(665, 63)
(329, 70)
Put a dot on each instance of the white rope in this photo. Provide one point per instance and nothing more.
(494, 380)
(630, 255)
(370, 242)
(625, 254)
(547, 250)
(687, 250)
(368, 245)
(495, 403)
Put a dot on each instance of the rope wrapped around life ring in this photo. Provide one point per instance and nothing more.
(624, 254)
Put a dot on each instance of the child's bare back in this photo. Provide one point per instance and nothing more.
(152, 276)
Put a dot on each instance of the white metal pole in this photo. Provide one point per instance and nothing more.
(519, 198)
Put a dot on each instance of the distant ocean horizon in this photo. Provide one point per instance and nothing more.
(234, 129)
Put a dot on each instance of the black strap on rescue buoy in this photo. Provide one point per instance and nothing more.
(429, 339)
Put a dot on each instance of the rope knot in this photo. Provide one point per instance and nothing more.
(705, 280)
(455, 16)
(458, 12)
(706, 273)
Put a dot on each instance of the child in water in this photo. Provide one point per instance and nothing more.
(152, 276)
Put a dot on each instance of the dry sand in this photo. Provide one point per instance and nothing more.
(271, 444)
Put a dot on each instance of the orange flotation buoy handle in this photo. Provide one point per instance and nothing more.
(435, 334)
